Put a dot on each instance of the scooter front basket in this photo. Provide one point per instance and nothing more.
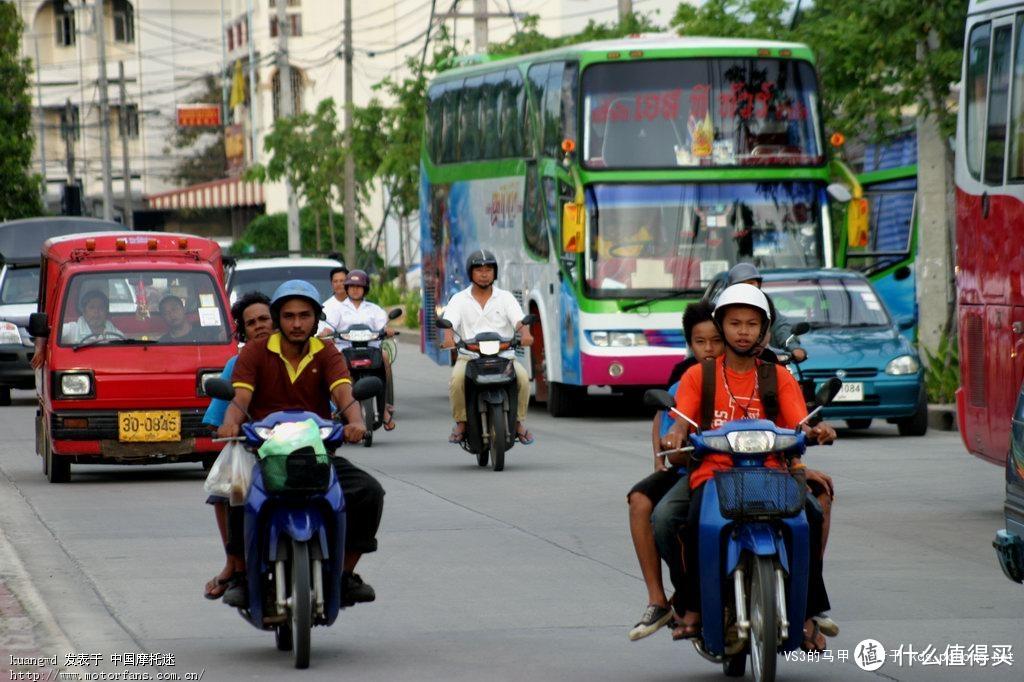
(758, 494)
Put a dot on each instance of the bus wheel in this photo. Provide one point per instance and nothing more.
(564, 399)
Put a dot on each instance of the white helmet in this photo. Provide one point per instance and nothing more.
(742, 294)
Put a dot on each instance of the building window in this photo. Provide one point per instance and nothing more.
(69, 127)
(124, 21)
(128, 119)
(64, 33)
(297, 81)
(291, 3)
(231, 39)
(294, 20)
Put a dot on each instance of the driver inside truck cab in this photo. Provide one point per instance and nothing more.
(93, 321)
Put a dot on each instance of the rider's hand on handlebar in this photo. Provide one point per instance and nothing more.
(228, 430)
(355, 431)
(672, 440)
(822, 434)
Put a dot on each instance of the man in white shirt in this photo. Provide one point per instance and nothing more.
(93, 323)
(483, 307)
(331, 305)
(355, 309)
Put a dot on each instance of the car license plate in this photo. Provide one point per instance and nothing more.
(851, 392)
(149, 427)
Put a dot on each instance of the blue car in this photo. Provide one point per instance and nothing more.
(853, 337)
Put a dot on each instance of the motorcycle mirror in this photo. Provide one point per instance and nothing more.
(529, 319)
(395, 314)
(218, 388)
(800, 328)
(657, 397)
(367, 387)
(828, 391)
(443, 323)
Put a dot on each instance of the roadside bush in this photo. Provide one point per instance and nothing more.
(942, 373)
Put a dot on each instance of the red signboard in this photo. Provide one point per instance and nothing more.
(198, 115)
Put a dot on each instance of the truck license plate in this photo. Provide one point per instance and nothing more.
(149, 427)
(851, 392)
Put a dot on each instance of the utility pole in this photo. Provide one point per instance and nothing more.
(129, 217)
(480, 25)
(350, 162)
(284, 75)
(67, 129)
(101, 52)
(253, 147)
(42, 120)
(625, 10)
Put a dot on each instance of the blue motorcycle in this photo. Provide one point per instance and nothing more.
(294, 527)
(753, 542)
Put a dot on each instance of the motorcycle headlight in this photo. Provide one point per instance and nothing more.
(904, 364)
(264, 433)
(490, 347)
(325, 431)
(76, 385)
(9, 334)
(751, 441)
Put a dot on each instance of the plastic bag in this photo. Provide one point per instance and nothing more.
(242, 462)
(218, 481)
(295, 459)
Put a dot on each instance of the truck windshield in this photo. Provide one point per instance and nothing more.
(671, 113)
(656, 239)
(171, 307)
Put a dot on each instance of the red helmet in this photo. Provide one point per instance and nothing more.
(358, 278)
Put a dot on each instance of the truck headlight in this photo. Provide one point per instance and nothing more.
(76, 384)
(9, 334)
(904, 364)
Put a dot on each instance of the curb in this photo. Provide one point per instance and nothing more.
(942, 417)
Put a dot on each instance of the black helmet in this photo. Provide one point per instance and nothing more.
(744, 272)
(480, 258)
(358, 278)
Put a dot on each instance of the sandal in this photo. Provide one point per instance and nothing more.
(815, 641)
(216, 587)
(389, 423)
(524, 436)
(457, 436)
(683, 630)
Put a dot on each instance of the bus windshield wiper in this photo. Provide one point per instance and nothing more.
(645, 301)
(105, 340)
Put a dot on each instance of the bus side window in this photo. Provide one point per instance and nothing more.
(999, 86)
(492, 126)
(449, 124)
(569, 88)
(1017, 120)
(434, 123)
(534, 219)
(513, 114)
(553, 111)
(469, 120)
(537, 78)
(977, 80)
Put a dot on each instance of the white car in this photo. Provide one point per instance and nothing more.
(266, 274)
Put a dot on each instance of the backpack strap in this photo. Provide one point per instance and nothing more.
(707, 393)
(768, 389)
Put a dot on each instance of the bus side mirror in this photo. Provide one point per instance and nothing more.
(38, 325)
(574, 218)
(857, 212)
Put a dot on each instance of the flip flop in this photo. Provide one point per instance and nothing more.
(524, 437)
(390, 424)
(685, 631)
(810, 643)
(455, 438)
(216, 587)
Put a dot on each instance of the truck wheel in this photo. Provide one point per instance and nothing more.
(916, 424)
(5, 396)
(58, 469)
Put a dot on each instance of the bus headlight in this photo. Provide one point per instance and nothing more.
(904, 364)
(617, 339)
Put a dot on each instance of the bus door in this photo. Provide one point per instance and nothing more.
(549, 184)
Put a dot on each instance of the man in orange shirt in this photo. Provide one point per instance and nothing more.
(743, 317)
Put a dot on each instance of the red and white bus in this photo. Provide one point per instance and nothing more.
(990, 218)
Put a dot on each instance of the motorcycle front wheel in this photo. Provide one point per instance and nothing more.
(369, 415)
(764, 619)
(301, 613)
(498, 427)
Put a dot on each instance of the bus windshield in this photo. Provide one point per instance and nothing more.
(700, 112)
(649, 239)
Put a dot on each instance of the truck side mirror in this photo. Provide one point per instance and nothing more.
(38, 325)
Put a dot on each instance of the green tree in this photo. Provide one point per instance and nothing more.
(203, 159)
(268, 233)
(19, 187)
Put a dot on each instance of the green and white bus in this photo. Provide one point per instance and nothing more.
(613, 180)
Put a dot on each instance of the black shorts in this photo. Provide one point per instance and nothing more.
(657, 485)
